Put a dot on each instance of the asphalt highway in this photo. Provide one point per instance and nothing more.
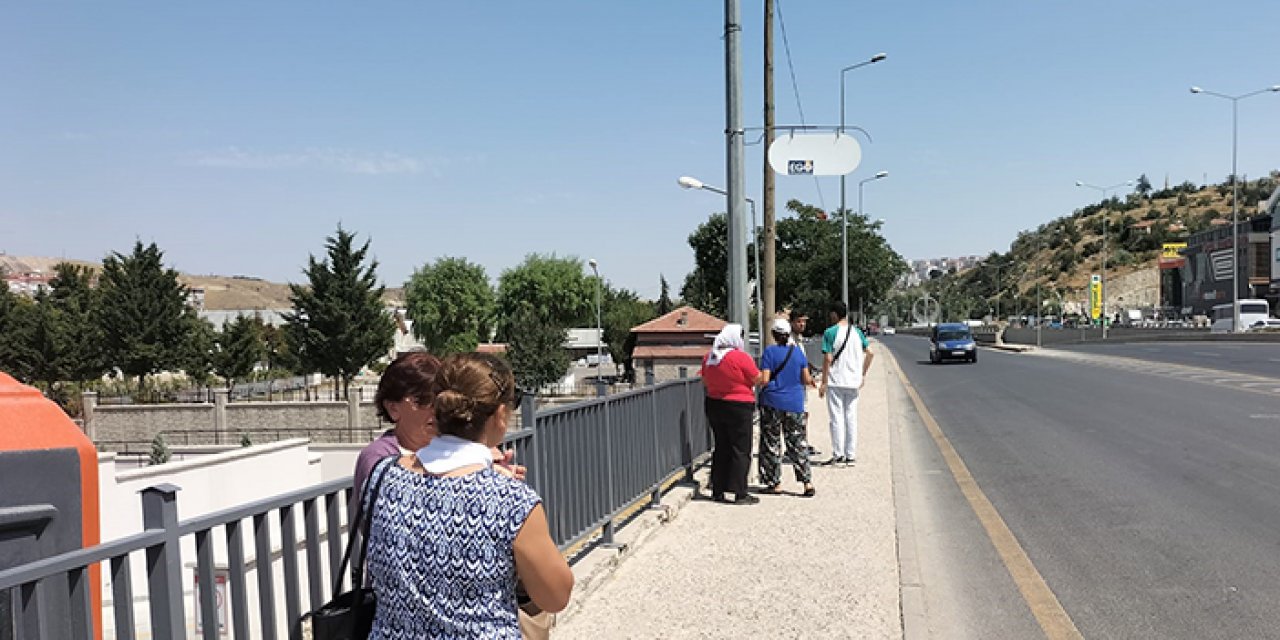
(1257, 358)
(1149, 504)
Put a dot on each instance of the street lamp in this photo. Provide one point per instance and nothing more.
(599, 325)
(1105, 223)
(687, 182)
(844, 234)
(1235, 196)
(874, 59)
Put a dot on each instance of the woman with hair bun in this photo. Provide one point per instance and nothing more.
(450, 537)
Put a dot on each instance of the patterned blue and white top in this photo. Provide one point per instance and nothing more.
(440, 553)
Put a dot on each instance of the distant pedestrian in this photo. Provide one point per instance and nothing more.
(730, 377)
(845, 362)
(784, 373)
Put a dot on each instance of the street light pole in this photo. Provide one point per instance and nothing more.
(1235, 197)
(1106, 209)
(844, 210)
(734, 161)
(686, 182)
(599, 324)
(844, 234)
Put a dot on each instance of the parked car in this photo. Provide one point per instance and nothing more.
(888, 331)
(952, 341)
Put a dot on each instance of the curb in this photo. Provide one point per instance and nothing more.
(593, 570)
(911, 600)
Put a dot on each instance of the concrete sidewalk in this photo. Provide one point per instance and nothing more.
(789, 567)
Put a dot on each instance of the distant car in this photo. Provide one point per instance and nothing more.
(1268, 324)
(888, 331)
(952, 341)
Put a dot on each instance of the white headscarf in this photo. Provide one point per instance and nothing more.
(730, 338)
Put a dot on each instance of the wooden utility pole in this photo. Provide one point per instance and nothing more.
(770, 231)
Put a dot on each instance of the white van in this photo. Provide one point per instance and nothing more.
(1251, 311)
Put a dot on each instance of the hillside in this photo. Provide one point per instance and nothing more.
(1061, 255)
(221, 292)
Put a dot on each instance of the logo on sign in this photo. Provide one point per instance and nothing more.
(1172, 249)
(799, 167)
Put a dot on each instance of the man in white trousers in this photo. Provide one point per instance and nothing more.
(845, 361)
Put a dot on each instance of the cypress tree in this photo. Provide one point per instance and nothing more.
(338, 324)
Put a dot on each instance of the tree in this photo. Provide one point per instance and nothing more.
(1144, 185)
(705, 287)
(555, 286)
(159, 451)
(338, 324)
(199, 351)
(280, 356)
(17, 323)
(143, 313)
(80, 346)
(241, 348)
(451, 304)
(622, 310)
(536, 351)
(665, 305)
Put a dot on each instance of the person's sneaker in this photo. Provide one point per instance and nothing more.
(833, 461)
(747, 498)
(849, 462)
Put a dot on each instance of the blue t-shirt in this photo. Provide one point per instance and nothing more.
(785, 390)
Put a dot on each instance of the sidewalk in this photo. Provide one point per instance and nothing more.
(789, 567)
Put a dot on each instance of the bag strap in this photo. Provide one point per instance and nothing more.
(790, 349)
(361, 523)
(848, 334)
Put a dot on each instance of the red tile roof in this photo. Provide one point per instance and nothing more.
(682, 320)
(661, 352)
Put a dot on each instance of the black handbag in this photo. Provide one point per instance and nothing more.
(349, 615)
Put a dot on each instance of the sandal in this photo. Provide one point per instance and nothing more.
(809, 492)
(772, 490)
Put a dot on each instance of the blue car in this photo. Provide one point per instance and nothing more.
(952, 341)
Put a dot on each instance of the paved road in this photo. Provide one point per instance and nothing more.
(1257, 358)
(1149, 504)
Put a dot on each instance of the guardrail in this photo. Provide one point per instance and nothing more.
(588, 461)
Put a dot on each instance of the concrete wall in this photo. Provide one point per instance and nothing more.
(664, 370)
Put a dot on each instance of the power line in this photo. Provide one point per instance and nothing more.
(795, 88)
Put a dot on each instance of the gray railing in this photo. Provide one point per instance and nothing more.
(589, 461)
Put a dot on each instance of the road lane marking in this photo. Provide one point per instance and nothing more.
(1044, 605)
(1206, 353)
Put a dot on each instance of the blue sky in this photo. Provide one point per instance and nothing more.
(237, 135)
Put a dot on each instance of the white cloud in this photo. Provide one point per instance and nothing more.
(340, 160)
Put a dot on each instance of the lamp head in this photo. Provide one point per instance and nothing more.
(592, 263)
(1079, 183)
(882, 174)
(1274, 87)
(1196, 90)
(686, 182)
(879, 56)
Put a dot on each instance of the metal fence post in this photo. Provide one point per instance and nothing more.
(655, 498)
(606, 533)
(686, 430)
(164, 562)
(529, 420)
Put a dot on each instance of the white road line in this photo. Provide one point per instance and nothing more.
(1206, 353)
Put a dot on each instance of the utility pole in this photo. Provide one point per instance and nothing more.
(734, 156)
(770, 229)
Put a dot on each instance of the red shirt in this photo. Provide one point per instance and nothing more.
(734, 379)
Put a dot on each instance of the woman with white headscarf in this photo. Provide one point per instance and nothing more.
(730, 377)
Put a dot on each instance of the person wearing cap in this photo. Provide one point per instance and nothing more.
(784, 372)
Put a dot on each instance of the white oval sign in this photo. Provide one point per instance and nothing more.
(815, 154)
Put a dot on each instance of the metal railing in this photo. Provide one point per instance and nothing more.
(588, 461)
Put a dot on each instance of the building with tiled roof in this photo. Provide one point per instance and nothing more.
(678, 339)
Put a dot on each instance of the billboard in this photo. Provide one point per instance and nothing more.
(1171, 255)
(815, 154)
(1095, 297)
